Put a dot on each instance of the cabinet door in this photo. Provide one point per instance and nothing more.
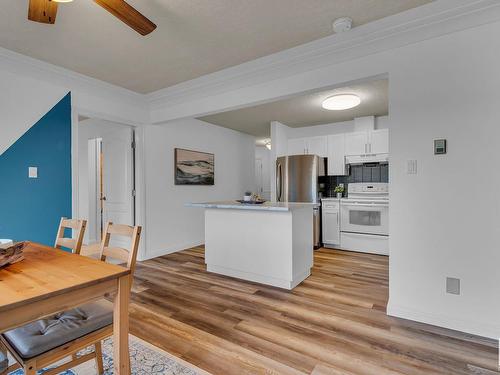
(356, 143)
(296, 146)
(336, 155)
(317, 146)
(331, 227)
(379, 141)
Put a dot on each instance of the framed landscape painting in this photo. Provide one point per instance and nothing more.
(194, 167)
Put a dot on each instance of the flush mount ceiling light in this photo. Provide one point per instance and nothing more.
(268, 145)
(341, 102)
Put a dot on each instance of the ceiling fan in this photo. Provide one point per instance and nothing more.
(45, 11)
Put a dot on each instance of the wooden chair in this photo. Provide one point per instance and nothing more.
(75, 244)
(98, 316)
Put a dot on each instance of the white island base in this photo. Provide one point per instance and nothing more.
(265, 245)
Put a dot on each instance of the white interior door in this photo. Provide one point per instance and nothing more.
(118, 176)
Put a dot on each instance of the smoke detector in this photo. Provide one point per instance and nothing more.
(341, 25)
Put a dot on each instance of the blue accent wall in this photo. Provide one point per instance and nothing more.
(30, 209)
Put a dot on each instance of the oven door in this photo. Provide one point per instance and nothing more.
(365, 217)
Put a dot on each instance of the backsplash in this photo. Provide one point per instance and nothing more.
(357, 173)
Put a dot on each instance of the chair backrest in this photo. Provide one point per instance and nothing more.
(75, 243)
(127, 256)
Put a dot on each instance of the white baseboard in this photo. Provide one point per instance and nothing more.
(170, 249)
(472, 327)
(261, 279)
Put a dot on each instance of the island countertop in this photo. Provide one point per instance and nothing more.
(267, 206)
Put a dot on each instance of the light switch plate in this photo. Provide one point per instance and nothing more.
(452, 285)
(33, 172)
(411, 167)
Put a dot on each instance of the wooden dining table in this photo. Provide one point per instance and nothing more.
(49, 281)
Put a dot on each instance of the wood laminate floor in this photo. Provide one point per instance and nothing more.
(333, 323)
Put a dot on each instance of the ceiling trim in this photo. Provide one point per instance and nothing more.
(21, 64)
(415, 25)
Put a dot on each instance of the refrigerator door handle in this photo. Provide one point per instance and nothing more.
(278, 182)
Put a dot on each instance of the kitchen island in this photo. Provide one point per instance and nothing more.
(270, 243)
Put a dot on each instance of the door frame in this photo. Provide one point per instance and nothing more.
(139, 180)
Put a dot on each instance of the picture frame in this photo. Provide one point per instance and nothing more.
(193, 167)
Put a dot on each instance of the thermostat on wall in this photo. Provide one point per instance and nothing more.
(439, 146)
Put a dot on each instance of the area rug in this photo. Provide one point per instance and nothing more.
(144, 358)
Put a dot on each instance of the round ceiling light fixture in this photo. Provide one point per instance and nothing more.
(341, 101)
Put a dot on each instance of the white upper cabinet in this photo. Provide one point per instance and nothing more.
(336, 155)
(297, 146)
(367, 142)
(308, 146)
(356, 143)
(379, 141)
(317, 146)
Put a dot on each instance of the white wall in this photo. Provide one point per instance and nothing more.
(23, 101)
(279, 146)
(262, 153)
(445, 219)
(171, 225)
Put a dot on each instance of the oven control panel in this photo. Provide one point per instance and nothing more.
(367, 188)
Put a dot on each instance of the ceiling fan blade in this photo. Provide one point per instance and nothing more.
(128, 14)
(43, 11)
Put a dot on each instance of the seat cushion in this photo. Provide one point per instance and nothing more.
(43, 335)
(4, 362)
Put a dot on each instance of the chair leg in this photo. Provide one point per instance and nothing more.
(29, 369)
(98, 358)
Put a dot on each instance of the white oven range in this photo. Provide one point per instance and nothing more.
(364, 218)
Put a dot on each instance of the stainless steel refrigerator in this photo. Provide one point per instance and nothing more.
(297, 181)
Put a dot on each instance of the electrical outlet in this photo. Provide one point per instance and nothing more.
(452, 285)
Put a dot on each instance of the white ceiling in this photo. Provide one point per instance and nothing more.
(305, 110)
(193, 37)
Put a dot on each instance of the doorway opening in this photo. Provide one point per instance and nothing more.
(106, 175)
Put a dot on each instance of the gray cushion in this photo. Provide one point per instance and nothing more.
(43, 335)
(4, 362)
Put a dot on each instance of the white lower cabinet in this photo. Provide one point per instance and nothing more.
(331, 222)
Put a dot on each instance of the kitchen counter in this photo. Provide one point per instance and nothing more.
(267, 206)
(270, 243)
